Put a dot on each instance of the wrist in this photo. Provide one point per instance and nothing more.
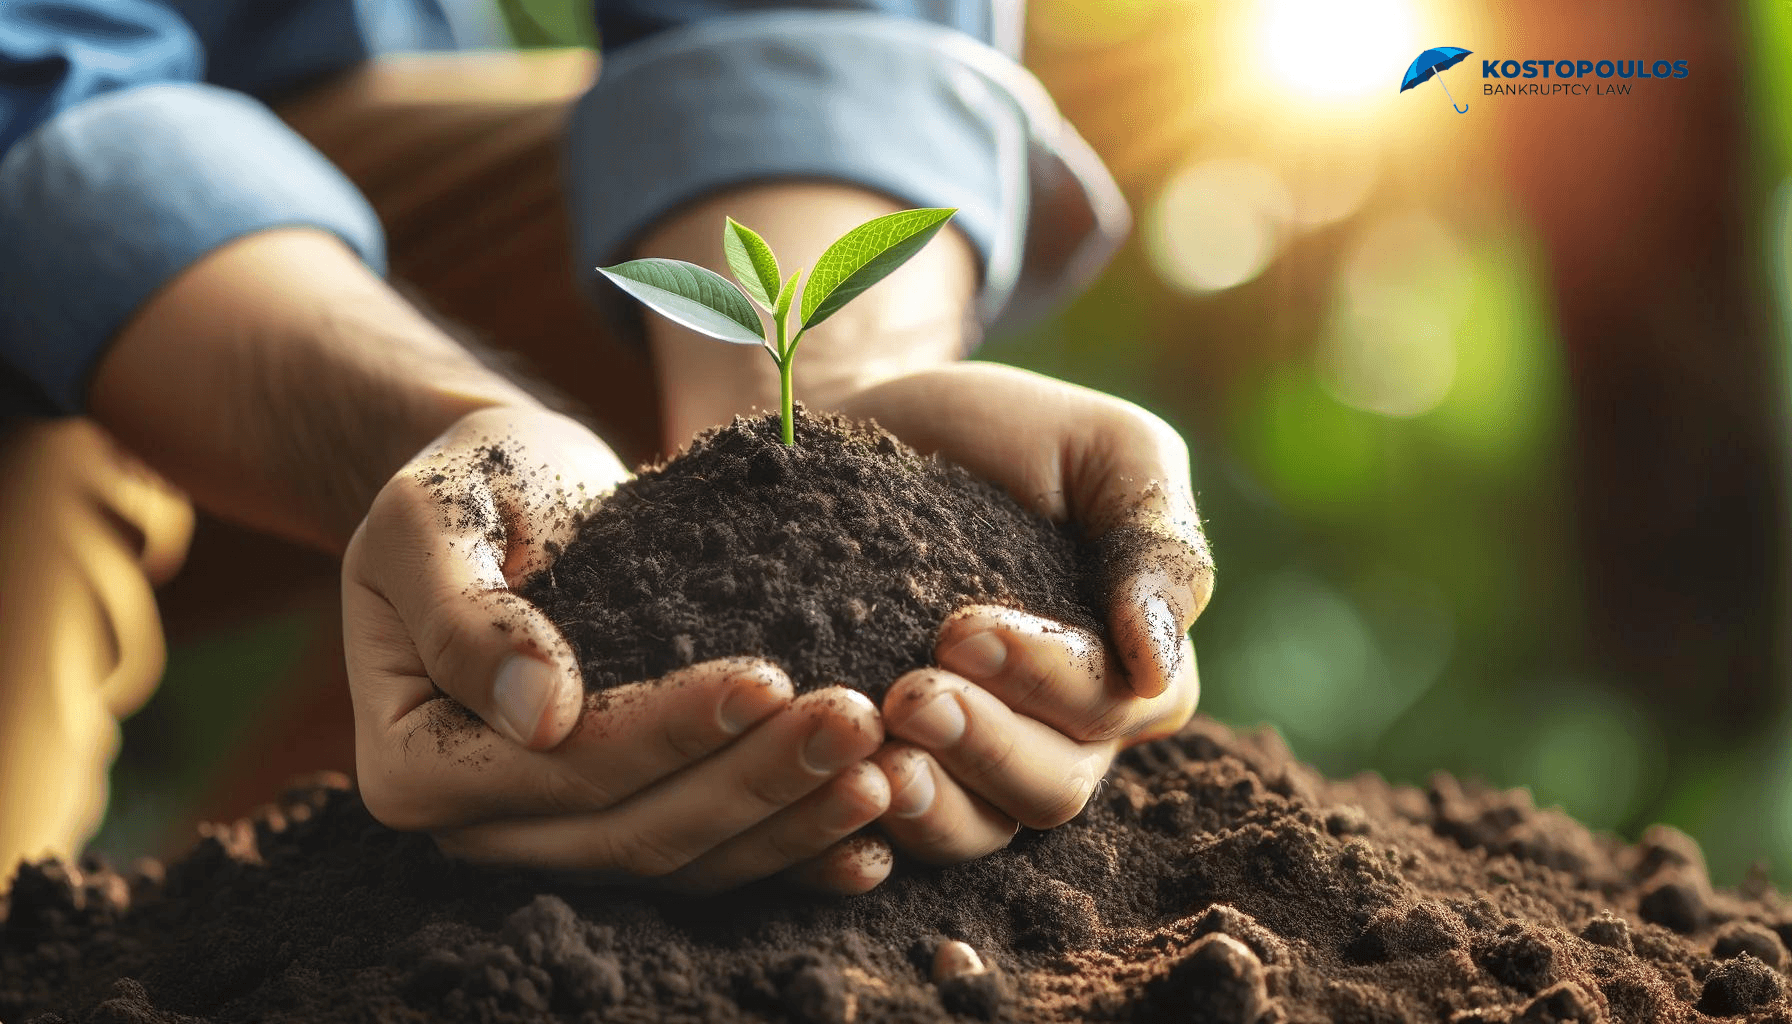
(281, 383)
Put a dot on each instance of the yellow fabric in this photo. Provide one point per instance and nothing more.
(84, 531)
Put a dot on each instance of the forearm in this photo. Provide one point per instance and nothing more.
(281, 383)
(916, 318)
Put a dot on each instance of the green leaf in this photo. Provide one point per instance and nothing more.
(864, 256)
(785, 294)
(752, 261)
(690, 296)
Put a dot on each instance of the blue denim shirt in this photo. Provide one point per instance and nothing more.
(134, 138)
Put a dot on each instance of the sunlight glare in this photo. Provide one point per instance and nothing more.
(1334, 50)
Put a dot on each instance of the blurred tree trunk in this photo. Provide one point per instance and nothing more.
(1653, 225)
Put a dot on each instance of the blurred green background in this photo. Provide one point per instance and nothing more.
(1487, 409)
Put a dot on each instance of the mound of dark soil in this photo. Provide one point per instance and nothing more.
(837, 558)
(1212, 879)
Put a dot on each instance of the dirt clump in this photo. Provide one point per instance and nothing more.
(838, 558)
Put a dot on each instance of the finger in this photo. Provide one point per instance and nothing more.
(801, 832)
(1171, 710)
(667, 826)
(1043, 669)
(438, 767)
(931, 817)
(857, 864)
(1028, 770)
(474, 639)
(1160, 573)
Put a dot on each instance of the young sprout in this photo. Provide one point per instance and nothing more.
(705, 302)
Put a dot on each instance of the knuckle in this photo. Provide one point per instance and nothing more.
(683, 742)
(441, 637)
(1031, 676)
(942, 842)
(787, 850)
(950, 846)
(646, 855)
(398, 810)
(1066, 805)
(566, 792)
(986, 759)
(1107, 721)
(774, 792)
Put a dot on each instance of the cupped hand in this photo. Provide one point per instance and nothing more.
(471, 721)
(1022, 717)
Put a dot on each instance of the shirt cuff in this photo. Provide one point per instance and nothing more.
(107, 201)
(919, 112)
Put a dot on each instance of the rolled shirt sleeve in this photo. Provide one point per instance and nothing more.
(905, 102)
(121, 169)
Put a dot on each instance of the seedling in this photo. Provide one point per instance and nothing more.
(706, 302)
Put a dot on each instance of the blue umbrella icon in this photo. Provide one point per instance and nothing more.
(1428, 64)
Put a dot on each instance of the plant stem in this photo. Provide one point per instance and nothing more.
(783, 357)
(788, 413)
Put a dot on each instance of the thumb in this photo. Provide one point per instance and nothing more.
(475, 639)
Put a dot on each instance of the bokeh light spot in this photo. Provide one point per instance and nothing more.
(1390, 346)
(1216, 225)
(1585, 751)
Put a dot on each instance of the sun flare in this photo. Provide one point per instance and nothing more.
(1330, 49)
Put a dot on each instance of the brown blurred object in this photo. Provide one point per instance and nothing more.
(460, 154)
(1653, 223)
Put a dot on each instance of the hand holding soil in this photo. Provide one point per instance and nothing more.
(621, 782)
(1024, 714)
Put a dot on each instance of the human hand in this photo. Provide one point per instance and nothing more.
(472, 723)
(1024, 715)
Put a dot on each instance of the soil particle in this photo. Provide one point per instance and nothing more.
(1522, 957)
(1756, 940)
(1673, 903)
(1739, 986)
(981, 995)
(838, 559)
(1608, 930)
(817, 993)
(1218, 981)
(1421, 930)
(1251, 910)
(1566, 1003)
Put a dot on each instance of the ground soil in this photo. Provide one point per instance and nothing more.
(1212, 878)
(837, 558)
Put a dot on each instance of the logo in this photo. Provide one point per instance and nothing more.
(1554, 77)
(1563, 77)
(1426, 66)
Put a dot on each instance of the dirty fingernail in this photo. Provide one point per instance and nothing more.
(937, 723)
(829, 750)
(1167, 645)
(521, 694)
(978, 656)
(750, 702)
(915, 798)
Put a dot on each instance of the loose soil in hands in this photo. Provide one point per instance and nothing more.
(1213, 878)
(837, 558)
